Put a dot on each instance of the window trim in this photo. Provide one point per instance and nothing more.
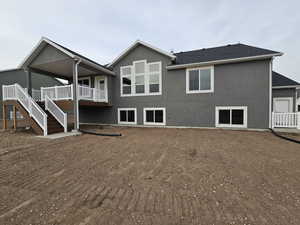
(154, 109)
(127, 109)
(86, 78)
(146, 79)
(245, 122)
(187, 84)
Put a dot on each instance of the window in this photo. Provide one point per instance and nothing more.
(141, 78)
(232, 116)
(200, 80)
(86, 81)
(19, 116)
(127, 115)
(154, 116)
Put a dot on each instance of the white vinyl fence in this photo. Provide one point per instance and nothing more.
(16, 92)
(286, 120)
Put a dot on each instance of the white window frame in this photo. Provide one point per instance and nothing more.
(290, 99)
(154, 123)
(86, 78)
(188, 91)
(146, 77)
(127, 109)
(244, 108)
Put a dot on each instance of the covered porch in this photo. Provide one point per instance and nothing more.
(55, 60)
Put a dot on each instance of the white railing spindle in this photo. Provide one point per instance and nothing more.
(59, 115)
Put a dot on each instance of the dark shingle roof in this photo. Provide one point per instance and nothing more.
(220, 53)
(280, 80)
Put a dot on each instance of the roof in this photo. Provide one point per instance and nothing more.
(136, 43)
(36, 50)
(220, 55)
(222, 52)
(281, 80)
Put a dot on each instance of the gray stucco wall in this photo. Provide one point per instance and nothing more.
(240, 84)
(285, 92)
(19, 76)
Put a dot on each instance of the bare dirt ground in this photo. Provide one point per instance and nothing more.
(151, 176)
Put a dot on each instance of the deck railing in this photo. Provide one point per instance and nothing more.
(286, 120)
(36, 95)
(16, 92)
(66, 93)
(57, 92)
(59, 115)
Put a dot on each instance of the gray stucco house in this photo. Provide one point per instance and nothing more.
(231, 86)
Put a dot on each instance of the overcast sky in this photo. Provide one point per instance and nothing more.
(100, 30)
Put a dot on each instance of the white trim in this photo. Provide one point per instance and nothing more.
(141, 43)
(98, 78)
(155, 109)
(288, 86)
(86, 78)
(244, 108)
(187, 84)
(146, 79)
(270, 92)
(222, 61)
(127, 109)
(290, 99)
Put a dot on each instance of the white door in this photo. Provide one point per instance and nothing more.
(101, 84)
(283, 105)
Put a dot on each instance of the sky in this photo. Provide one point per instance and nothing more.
(101, 30)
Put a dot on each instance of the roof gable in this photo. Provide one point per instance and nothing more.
(281, 80)
(135, 44)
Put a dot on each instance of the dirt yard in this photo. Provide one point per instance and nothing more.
(150, 176)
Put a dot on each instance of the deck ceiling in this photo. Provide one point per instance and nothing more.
(53, 59)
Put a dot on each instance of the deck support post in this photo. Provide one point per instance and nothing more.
(29, 81)
(15, 117)
(75, 95)
(4, 117)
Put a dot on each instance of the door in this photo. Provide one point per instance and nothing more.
(283, 104)
(101, 85)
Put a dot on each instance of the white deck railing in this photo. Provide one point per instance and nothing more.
(286, 120)
(36, 95)
(59, 115)
(57, 92)
(16, 92)
(66, 93)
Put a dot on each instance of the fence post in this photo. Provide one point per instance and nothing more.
(273, 120)
(55, 92)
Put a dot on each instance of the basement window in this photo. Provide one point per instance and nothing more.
(154, 116)
(127, 115)
(231, 116)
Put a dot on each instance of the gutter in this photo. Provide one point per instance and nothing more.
(223, 61)
(288, 86)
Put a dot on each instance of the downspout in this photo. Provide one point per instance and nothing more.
(75, 95)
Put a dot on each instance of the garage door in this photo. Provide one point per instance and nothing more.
(283, 104)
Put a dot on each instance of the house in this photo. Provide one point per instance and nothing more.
(228, 86)
(12, 76)
(285, 94)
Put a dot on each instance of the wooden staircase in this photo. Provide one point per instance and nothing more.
(53, 126)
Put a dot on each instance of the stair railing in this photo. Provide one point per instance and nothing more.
(58, 114)
(16, 92)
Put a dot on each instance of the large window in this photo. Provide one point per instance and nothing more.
(200, 80)
(231, 116)
(154, 116)
(127, 115)
(141, 78)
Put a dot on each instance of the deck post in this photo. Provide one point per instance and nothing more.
(75, 95)
(29, 81)
(15, 117)
(4, 117)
